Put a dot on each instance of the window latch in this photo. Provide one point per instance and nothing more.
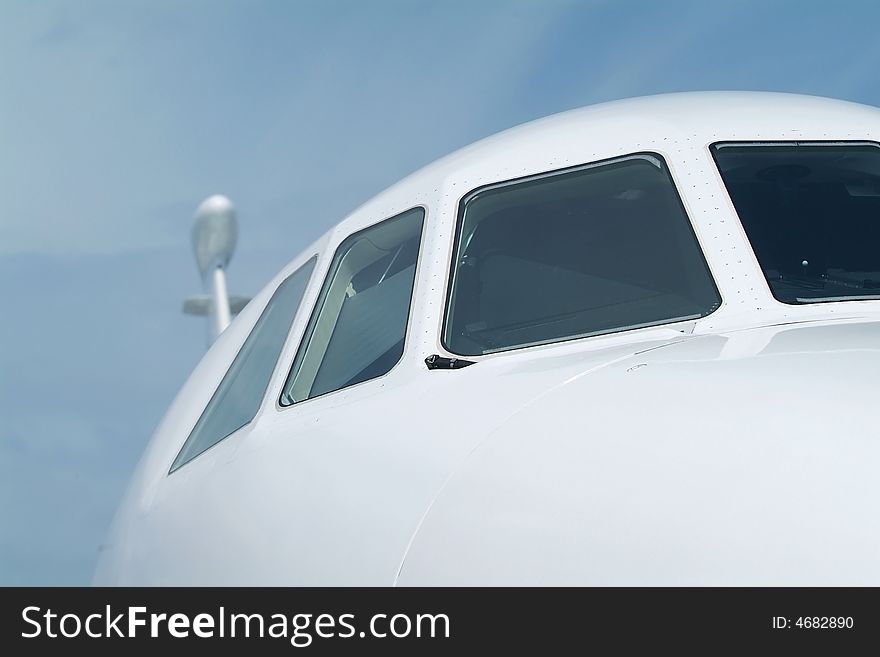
(436, 362)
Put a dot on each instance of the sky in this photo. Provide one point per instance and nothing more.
(118, 117)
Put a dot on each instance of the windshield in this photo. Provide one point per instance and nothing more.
(357, 330)
(811, 211)
(602, 248)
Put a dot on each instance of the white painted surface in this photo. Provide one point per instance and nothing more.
(737, 449)
(220, 316)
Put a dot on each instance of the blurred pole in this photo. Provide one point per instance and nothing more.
(215, 232)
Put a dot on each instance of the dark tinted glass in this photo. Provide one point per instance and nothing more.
(357, 330)
(603, 248)
(240, 393)
(812, 214)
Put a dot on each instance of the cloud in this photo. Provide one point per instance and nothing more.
(123, 120)
(88, 366)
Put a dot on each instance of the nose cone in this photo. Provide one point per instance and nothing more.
(215, 233)
(748, 458)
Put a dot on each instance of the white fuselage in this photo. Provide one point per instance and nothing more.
(739, 448)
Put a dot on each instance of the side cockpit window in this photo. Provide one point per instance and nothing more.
(240, 393)
(357, 329)
(811, 211)
(601, 248)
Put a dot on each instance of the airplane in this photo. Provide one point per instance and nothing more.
(635, 343)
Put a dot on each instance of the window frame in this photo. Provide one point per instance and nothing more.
(313, 259)
(712, 149)
(317, 305)
(459, 227)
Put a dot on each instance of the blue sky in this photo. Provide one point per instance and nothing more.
(118, 117)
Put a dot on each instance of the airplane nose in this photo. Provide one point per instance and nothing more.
(724, 459)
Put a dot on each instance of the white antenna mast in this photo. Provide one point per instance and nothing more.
(214, 235)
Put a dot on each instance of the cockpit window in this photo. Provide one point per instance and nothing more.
(357, 330)
(601, 248)
(811, 211)
(240, 393)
